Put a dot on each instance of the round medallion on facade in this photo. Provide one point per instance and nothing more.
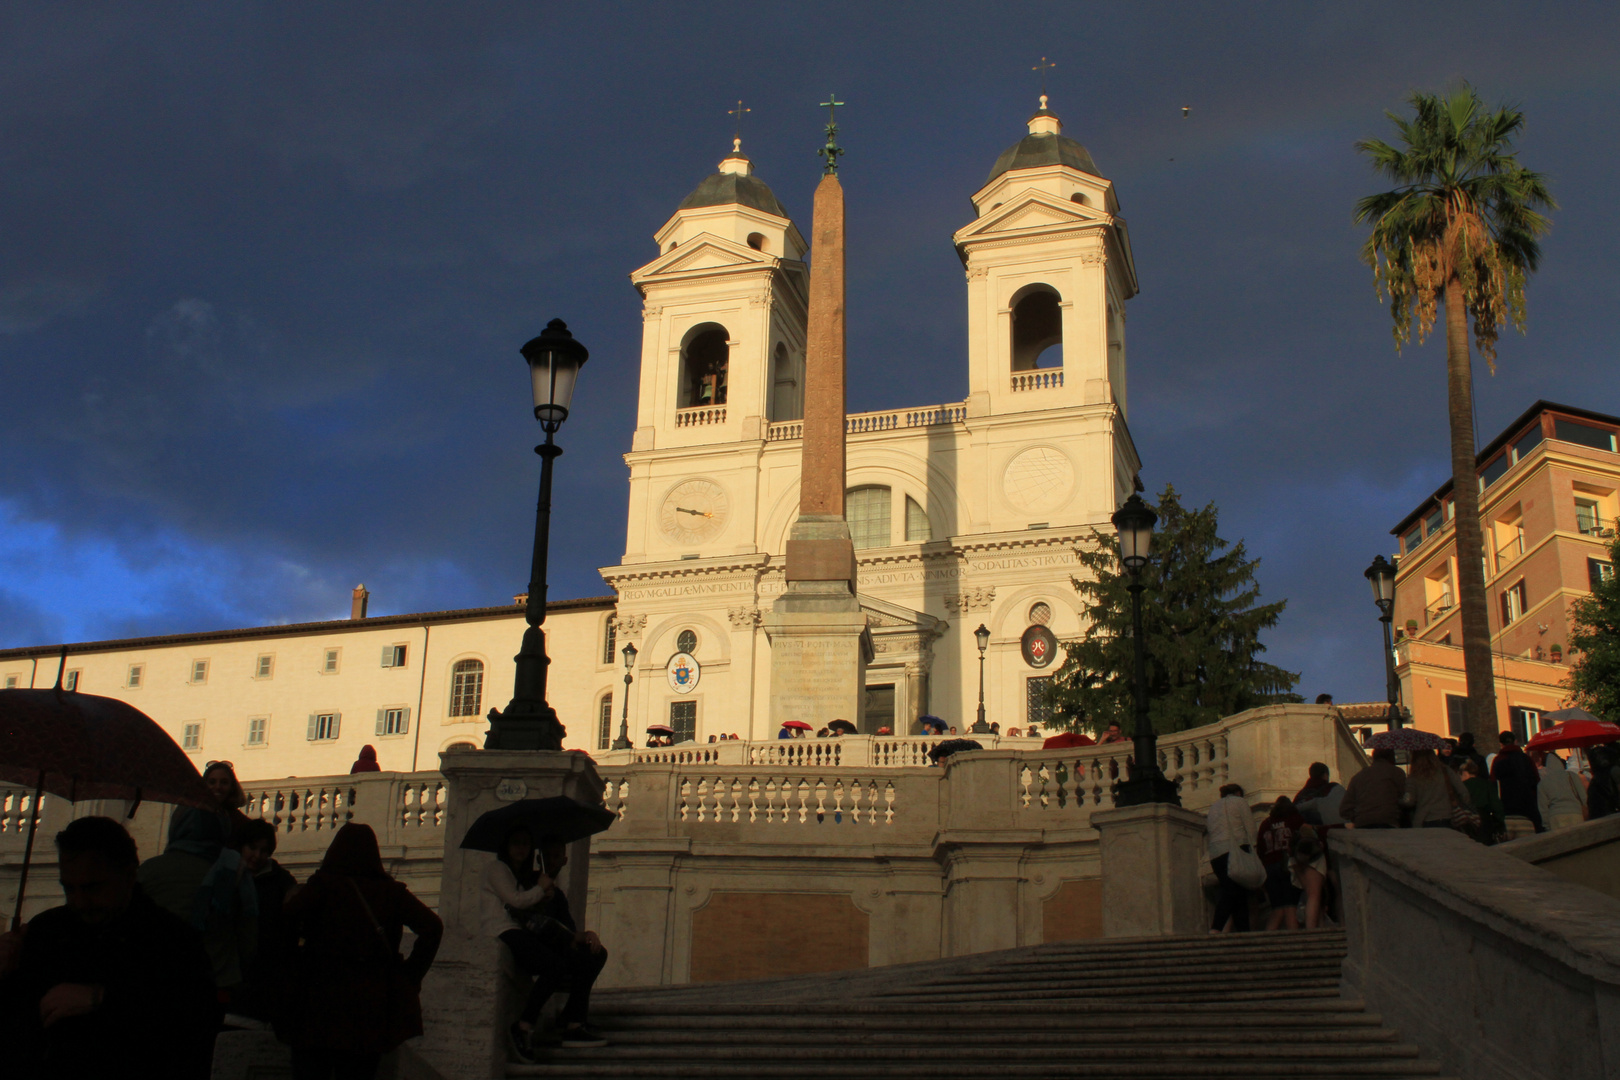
(694, 512)
(1039, 646)
(683, 672)
(1038, 478)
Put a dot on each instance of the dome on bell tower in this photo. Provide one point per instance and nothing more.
(735, 182)
(1044, 145)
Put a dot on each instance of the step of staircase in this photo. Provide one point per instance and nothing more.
(1257, 1006)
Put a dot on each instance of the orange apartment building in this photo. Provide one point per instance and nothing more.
(1550, 496)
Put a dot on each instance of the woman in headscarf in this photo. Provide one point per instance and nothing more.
(353, 999)
(366, 762)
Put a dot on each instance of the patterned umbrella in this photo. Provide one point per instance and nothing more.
(1406, 738)
(80, 746)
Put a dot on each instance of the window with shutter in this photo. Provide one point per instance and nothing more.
(683, 718)
(1456, 714)
(395, 721)
(393, 656)
(314, 726)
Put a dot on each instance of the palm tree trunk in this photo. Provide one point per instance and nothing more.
(1471, 598)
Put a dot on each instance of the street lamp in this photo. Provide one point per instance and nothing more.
(528, 723)
(1381, 575)
(1134, 523)
(982, 636)
(623, 741)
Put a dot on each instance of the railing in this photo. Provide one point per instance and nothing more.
(1594, 526)
(402, 808)
(1440, 607)
(700, 416)
(1050, 379)
(785, 800)
(1510, 550)
(886, 420)
(864, 751)
(1083, 777)
(16, 809)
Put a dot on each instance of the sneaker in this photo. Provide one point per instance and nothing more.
(582, 1036)
(520, 1040)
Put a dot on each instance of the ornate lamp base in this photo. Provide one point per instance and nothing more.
(1141, 790)
(523, 726)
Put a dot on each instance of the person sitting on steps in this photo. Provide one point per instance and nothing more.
(524, 909)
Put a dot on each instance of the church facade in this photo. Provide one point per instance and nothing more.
(964, 513)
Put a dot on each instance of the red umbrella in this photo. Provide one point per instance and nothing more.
(80, 746)
(799, 725)
(1573, 734)
(1066, 740)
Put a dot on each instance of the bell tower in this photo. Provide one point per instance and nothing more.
(1049, 270)
(725, 304)
(724, 317)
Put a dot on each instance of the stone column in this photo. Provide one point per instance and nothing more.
(1152, 868)
(819, 643)
(473, 992)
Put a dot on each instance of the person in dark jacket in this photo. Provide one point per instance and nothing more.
(274, 885)
(1603, 794)
(109, 984)
(1518, 779)
(1272, 844)
(1465, 749)
(352, 999)
(366, 762)
(1372, 799)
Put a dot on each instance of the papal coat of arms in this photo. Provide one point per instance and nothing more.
(683, 672)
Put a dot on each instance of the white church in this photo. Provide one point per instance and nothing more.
(964, 513)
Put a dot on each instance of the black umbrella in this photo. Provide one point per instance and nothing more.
(945, 749)
(843, 726)
(558, 819)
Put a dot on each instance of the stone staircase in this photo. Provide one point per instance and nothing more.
(1258, 1006)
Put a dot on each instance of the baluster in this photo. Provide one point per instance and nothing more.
(888, 798)
(736, 799)
(753, 800)
(804, 801)
(686, 791)
(770, 800)
(821, 801)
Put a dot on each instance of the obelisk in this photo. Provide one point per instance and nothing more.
(819, 642)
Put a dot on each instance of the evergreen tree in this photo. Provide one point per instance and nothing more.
(1594, 677)
(1201, 630)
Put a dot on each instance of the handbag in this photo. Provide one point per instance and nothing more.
(553, 933)
(1243, 866)
(1464, 818)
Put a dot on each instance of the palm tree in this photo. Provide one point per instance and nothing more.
(1461, 228)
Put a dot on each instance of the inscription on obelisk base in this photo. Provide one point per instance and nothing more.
(820, 645)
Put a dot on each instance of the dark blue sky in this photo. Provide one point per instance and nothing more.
(264, 269)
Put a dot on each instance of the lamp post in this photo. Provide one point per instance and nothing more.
(528, 722)
(623, 741)
(982, 636)
(1134, 523)
(1381, 575)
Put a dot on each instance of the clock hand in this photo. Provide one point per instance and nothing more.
(694, 513)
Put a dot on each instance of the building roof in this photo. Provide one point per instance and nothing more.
(726, 188)
(333, 626)
(1508, 434)
(1038, 148)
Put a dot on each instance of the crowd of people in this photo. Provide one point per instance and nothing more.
(146, 962)
(1509, 794)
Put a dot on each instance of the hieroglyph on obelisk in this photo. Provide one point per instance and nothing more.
(819, 642)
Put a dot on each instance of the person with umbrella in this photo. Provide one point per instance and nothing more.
(523, 908)
(108, 984)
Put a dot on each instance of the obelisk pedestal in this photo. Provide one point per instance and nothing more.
(819, 642)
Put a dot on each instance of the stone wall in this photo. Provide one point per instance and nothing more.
(1500, 969)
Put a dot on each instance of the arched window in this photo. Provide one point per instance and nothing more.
(604, 722)
(918, 531)
(867, 511)
(466, 687)
(610, 640)
(756, 241)
(1078, 198)
(1037, 327)
(704, 360)
(1040, 613)
(784, 386)
(686, 641)
(461, 746)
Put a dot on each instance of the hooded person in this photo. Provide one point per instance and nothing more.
(352, 999)
(199, 879)
(366, 762)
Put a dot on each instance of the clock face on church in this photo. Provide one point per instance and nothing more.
(694, 512)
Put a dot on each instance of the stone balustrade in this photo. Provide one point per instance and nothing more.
(994, 849)
(1049, 379)
(882, 420)
(701, 416)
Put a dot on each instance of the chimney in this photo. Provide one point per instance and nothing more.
(357, 606)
